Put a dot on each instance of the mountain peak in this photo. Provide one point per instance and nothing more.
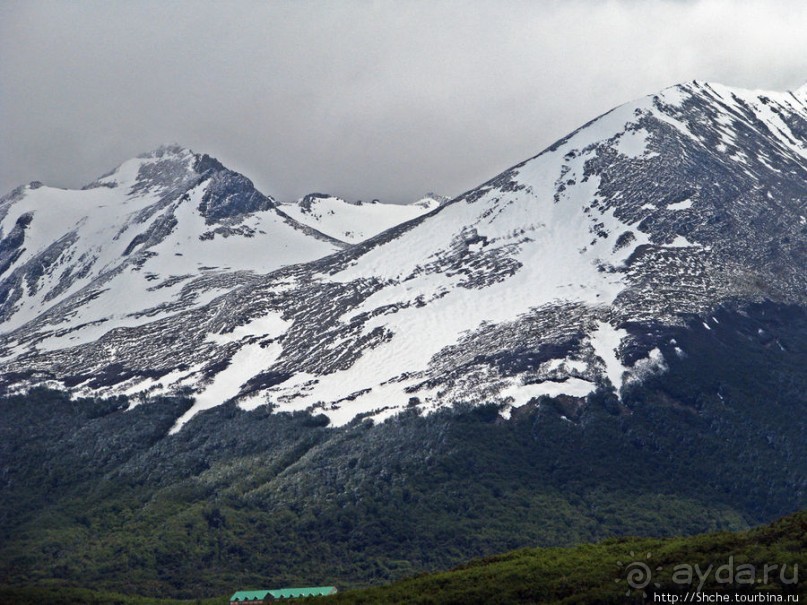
(175, 169)
(167, 150)
(801, 93)
(164, 167)
(710, 89)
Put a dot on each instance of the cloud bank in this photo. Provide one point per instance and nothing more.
(365, 99)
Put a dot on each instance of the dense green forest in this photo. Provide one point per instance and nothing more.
(96, 494)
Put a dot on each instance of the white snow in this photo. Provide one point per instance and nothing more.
(605, 341)
(681, 242)
(633, 143)
(682, 205)
(270, 325)
(675, 95)
(354, 223)
(576, 365)
(524, 393)
(248, 361)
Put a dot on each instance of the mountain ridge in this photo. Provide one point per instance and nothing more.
(354, 222)
(655, 211)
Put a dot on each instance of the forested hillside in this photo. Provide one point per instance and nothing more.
(94, 495)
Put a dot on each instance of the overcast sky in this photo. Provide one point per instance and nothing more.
(362, 99)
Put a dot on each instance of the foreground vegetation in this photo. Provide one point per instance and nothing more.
(596, 573)
(93, 494)
(70, 595)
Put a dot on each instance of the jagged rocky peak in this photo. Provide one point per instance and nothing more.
(175, 169)
(229, 194)
(167, 167)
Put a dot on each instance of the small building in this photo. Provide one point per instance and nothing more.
(256, 597)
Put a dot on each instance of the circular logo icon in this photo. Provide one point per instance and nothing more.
(637, 574)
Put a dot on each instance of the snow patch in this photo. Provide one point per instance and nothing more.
(248, 361)
(682, 205)
(605, 341)
(633, 143)
(681, 242)
(522, 394)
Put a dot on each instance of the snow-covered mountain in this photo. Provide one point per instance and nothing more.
(125, 249)
(356, 222)
(554, 277)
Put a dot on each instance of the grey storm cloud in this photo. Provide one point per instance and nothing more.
(363, 99)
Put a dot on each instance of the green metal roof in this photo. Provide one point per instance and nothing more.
(292, 593)
(249, 595)
(282, 593)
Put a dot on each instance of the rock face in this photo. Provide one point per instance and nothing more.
(562, 274)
